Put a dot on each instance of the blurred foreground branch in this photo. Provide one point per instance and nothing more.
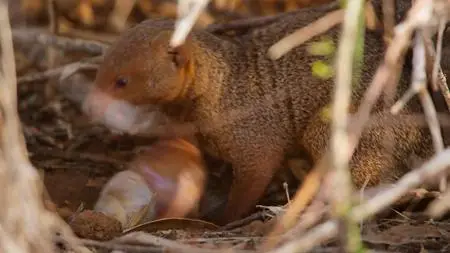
(25, 224)
(65, 43)
(188, 13)
(436, 166)
(348, 62)
(420, 16)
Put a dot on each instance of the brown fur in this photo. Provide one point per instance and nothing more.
(279, 102)
(174, 169)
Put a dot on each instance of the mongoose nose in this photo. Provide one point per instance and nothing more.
(117, 115)
(91, 106)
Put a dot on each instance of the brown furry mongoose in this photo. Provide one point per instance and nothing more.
(215, 78)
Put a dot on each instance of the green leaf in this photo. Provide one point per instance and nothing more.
(322, 70)
(325, 47)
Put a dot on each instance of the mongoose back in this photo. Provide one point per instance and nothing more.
(248, 110)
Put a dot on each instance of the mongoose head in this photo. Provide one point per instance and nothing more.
(139, 70)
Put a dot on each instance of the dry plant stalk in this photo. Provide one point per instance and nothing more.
(385, 76)
(388, 17)
(434, 167)
(174, 246)
(434, 66)
(419, 80)
(386, 73)
(342, 182)
(419, 86)
(65, 43)
(118, 18)
(62, 72)
(316, 28)
(25, 224)
(304, 34)
(188, 13)
(440, 206)
(302, 198)
(52, 27)
(51, 52)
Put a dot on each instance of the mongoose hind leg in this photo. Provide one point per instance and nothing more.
(390, 145)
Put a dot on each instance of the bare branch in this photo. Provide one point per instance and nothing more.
(436, 166)
(342, 182)
(188, 13)
(302, 35)
(65, 43)
(26, 226)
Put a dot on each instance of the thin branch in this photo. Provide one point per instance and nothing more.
(418, 86)
(304, 34)
(385, 75)
(26, 226)
(302, 197)
(147, 239)
(243, 24)
(342, 182)
(437, 60)
(118, 17)
(439, 206)
(129, 248)
(64, 43)
(188, 13)
(430, 170)
(388, 17)
(59, 71)
(419, 79)
(255, 22)
(51, 52)
(434, 66)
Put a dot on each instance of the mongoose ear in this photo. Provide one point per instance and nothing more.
(179, 56)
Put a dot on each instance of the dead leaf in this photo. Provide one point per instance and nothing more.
(173, 223)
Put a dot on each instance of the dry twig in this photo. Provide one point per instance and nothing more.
(64, 43)
(52, 27)
(295, 39)
(25, 224)
(388, 17)
(434, 68)
(418, 86)
(419, 80)
(384, 76)
(301, 199)
(342, 182)
(146, 239)
(247, 220)
(118, 18)
(243, 24)
(188, 13)
(255, 22)
(436, 166)
(440, 206)
(63, 71)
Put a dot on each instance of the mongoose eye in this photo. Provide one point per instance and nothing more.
(121, 82)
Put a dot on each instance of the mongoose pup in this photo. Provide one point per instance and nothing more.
(174, 169)
(247, 109)
(164, 180)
